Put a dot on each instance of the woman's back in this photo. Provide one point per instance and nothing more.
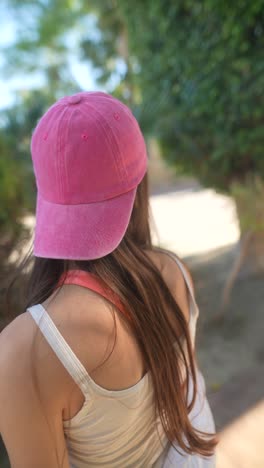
(106, 366)
(109, 417)
(85, 320)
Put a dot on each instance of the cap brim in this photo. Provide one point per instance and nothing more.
(81, 232)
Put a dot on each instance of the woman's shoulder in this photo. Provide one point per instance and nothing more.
(81, 312)
(167, 263)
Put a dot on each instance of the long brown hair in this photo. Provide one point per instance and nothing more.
(131, 274)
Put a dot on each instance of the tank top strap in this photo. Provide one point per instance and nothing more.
(55, 339)
(61, 348)
(193, 307)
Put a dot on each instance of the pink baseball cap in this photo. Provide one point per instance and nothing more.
(89, 156)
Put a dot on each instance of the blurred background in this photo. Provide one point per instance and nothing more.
(192, 71)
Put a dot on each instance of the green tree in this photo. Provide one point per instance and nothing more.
(202, 86)
(192, 70)
(16, 176)
(49, 34)
(40, 44)
(202, 96)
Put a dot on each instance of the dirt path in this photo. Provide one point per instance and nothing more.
(193, 221)
(231, 355)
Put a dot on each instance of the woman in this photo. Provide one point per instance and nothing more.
(100, 371)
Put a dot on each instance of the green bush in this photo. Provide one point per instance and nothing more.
(12, 196)
(200, 69)
(17, 187)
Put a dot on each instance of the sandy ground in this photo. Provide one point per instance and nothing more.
(193, 221)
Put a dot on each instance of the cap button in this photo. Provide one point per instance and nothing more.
(75, 99)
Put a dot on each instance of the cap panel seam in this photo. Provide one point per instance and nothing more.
(65, 153)
(124, 171)
(102, 128)
(58, 150)
(124, 174)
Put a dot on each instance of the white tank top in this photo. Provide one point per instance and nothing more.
(116, 428)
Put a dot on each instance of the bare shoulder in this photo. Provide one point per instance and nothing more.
(25, 355)
(172, 275)
(22, 403)
(16, 339)
(15, 356)
(166, 262)
(22, 347)
(168, 265)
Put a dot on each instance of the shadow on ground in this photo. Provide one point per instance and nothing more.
(230, 352)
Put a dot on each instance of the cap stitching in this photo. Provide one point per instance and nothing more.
(114, 138)
(104, 121)
(124, 174)
(58, 162)
(135, 184)
(71, 111)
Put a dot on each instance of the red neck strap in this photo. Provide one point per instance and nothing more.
(91, 281)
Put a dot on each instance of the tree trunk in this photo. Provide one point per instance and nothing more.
(249, 261)
(249, 199)
(253, 262)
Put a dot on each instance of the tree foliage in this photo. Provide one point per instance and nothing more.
(40, 44)
(193, 70)
(200, 72)
(16, 176)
